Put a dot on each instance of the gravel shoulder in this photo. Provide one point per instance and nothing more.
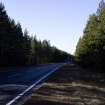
(71, 85)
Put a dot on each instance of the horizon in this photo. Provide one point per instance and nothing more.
(60, 21)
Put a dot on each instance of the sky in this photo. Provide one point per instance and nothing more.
(60, 21)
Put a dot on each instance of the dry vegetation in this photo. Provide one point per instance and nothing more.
(71, 86)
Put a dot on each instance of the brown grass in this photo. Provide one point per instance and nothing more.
(71, 86)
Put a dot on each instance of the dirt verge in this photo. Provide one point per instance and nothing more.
(71, 85)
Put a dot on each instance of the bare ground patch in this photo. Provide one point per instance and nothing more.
(71, 86)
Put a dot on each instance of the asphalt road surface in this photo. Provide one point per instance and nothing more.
(16, 80)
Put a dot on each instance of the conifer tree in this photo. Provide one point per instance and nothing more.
(90, 48)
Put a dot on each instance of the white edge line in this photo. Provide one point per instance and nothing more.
(30, 87)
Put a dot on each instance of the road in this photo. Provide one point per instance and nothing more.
(17, 80)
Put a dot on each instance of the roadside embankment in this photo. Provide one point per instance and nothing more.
(71, 85)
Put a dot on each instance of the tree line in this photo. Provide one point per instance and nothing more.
(90, 50)
(19, 48)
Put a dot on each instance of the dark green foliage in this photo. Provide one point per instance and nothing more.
(90, 50)
(18, 48)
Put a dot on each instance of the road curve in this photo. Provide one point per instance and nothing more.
(16, 82)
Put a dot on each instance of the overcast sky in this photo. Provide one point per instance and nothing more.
(60, 21)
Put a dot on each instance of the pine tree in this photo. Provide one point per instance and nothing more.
(4, 36)
(101, 5)
(90, 48)
(26, 47)
(18, 48)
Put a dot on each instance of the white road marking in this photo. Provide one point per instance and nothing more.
(30, 87)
